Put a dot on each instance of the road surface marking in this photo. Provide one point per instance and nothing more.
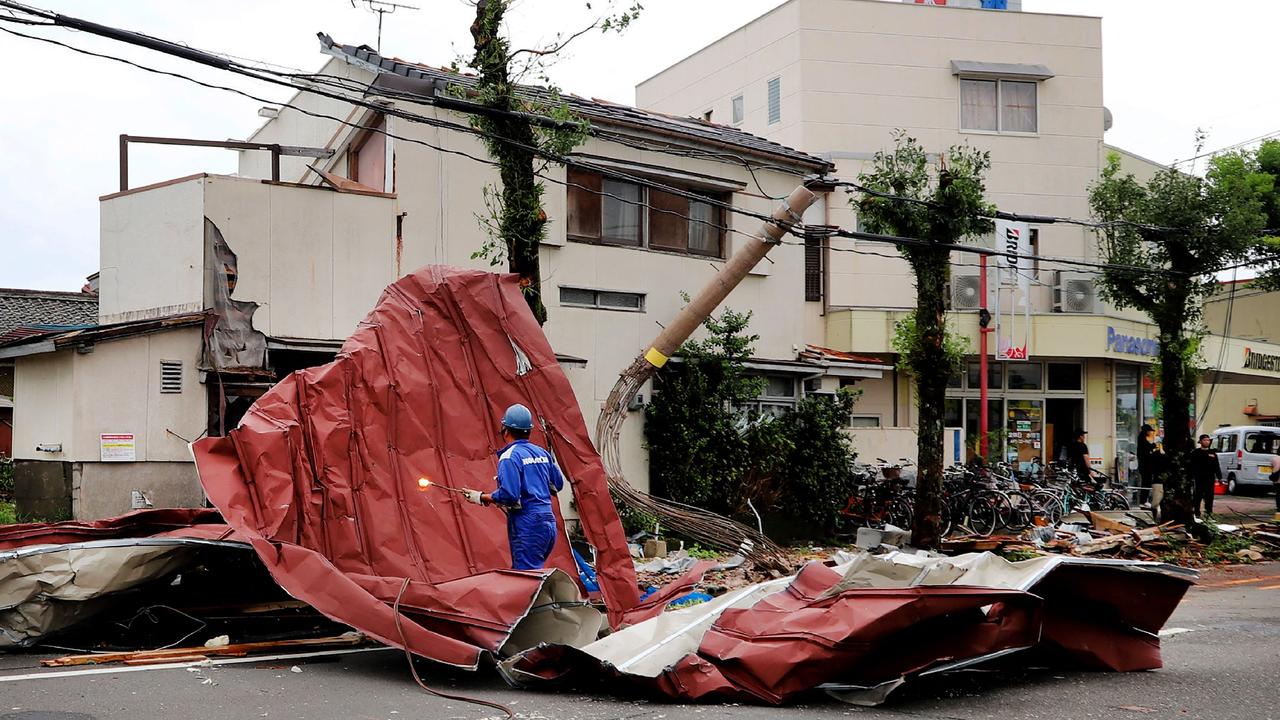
(1169, 632)
(1229, 583)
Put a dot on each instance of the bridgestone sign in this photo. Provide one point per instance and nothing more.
(1259, 361)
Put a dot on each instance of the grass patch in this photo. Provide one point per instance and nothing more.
(701, 553)
(8, 513)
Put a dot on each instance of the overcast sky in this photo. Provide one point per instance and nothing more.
(1170, 67)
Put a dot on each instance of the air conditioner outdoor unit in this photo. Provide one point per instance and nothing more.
(1074, 292)
(966, 291)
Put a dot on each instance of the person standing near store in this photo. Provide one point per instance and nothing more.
(1275, 480)
(1205, 472)
(1078, 456)
(1146, 452)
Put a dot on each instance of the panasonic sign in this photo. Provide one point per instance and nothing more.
(1130, 345)
(1260, 361)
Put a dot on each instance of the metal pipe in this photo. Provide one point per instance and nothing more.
(276, 150)
(983, 331)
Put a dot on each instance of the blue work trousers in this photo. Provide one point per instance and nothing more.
(532, 536)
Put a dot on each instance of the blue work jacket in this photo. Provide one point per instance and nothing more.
(527, 478)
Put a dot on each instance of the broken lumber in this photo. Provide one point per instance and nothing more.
(1109, 542)
(174, 654)
(163, 660)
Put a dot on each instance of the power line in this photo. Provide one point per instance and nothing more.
(1228, 148)
(222, 63)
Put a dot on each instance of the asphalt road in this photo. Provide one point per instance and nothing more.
(1222, 663)
(1244, 508)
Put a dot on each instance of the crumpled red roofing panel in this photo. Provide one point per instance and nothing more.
(791, 641)
(322, 474)
(1100, 614)
(195, 523)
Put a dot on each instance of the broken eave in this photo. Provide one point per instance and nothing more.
(87, 337)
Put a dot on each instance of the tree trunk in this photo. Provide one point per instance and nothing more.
(522, 222)
(931, 277)
(1176, 390)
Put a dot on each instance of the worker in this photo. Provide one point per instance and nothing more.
(527, 480)
(1205, 471)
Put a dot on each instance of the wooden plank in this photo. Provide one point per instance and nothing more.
(351, 638)
(159, 661)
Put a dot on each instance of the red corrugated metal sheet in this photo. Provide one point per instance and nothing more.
(321, 475)
(793, 640)
(197, 523)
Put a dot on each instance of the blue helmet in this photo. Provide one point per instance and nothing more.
(518, 417)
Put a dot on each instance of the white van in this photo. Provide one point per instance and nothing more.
(1248, 456)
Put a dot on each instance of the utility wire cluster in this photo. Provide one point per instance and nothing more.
(345, 89)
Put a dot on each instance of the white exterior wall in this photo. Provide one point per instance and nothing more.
(441, 195)
(315, 260)
(72, 398)
(43, 388)
(152, 252)
(853, 71)
(291, 127)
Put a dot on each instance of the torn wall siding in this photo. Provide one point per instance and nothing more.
(321, 475)
(230, 340)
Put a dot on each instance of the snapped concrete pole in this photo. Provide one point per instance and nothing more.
(705, 527)
(741, 263)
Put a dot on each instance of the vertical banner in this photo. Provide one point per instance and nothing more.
(1013, 290)
(1015, 237)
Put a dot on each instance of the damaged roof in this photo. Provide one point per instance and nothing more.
(599, 112)
(24, 313)
(63, 338)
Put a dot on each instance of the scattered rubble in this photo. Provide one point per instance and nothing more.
(319, 481)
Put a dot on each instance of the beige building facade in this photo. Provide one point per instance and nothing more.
(301, 260)
(838, 78)
(1251, 317)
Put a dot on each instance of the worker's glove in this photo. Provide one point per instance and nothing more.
(474, 496)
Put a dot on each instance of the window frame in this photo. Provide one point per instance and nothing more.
(999, 81)
(596, 304)
(594, 183)
(373, 125)
(737, 109)
(1079, 366)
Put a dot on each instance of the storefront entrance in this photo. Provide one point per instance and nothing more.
(1062, 418)
(1033, 408)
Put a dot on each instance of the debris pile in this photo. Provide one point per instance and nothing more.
(1131, 534)
(320, 486)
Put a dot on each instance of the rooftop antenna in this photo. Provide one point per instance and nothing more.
(382, 7)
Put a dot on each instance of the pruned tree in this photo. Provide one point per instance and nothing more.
(522, 128)
(1164, 242)
(938, 205)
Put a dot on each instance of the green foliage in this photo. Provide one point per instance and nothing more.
(6, 477)
(936, 205)
(1173, 234)
(700, 553)
(708, 448)
(908, 343)
(633, 520)
(521, 129)
(1018, 555)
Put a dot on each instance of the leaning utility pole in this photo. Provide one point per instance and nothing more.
(706, 527)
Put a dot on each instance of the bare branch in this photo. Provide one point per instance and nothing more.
(553, 49)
